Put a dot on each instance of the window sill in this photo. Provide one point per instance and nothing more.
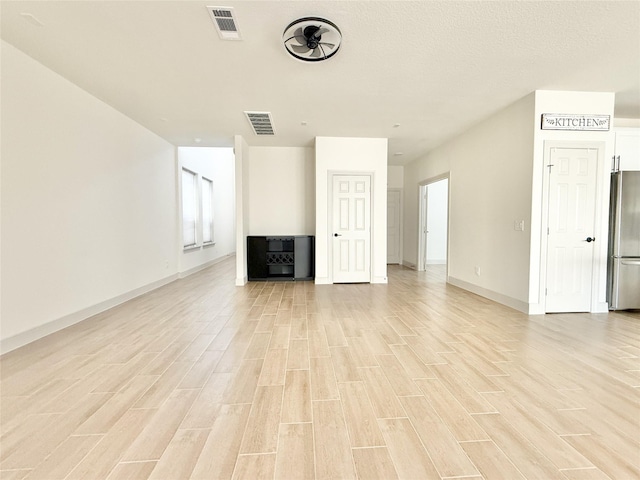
(190, 247)
(208, 244)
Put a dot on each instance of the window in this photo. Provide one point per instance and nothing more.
(189, 208)
(207, 211)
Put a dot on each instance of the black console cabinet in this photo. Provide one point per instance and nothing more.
(290, 258)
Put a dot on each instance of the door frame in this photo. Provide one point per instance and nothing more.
(330, 177)
(422, 220)
(400, 221)
(599, 260)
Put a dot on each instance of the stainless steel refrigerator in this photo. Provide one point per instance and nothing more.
(624, 242)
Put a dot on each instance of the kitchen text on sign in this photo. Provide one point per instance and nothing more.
(555, 121)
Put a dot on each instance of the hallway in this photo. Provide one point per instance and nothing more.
(415, 379)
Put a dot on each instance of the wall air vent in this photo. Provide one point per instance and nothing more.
(261, 123)
(225, 21)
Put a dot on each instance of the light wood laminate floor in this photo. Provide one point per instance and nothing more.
(415, 379)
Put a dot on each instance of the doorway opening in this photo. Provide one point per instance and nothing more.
(433, 228)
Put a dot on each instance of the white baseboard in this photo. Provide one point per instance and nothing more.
(409, 265)
(241, 281)
(442, 261)
(326, 281)
(36, 333)
(536, 309)
(600, 307)
(490, 294)
(539, 308)
(196, 269)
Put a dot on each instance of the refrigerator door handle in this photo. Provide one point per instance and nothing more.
(630, 262)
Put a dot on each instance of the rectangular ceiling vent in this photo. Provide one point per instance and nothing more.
(225, 21)
(261, 122)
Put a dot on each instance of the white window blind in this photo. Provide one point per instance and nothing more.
(207, 210)
(189, 208)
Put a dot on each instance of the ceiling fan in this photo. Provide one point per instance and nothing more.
(312, 39)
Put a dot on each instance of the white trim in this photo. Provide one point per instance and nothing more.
(491, 295)
(202, 266)
(24, 338)
(599, 307)
(422, 213)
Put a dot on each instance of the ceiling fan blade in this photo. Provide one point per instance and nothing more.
(300, 48)
(298, 34)
(317, 52)
(326, 44)
(321, 31)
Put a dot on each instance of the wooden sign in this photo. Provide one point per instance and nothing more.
(559, 121)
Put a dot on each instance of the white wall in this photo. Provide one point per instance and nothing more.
(217, 165)
(353, 155)
(243, 212)
(88, 203)
(490, 169)
(281, 191)
(395, 176)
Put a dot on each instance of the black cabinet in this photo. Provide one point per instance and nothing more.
(257, 257)
(304, 249)
(282, 257)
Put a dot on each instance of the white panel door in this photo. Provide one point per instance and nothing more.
(351, 234)
(393, 226)
(570, 240)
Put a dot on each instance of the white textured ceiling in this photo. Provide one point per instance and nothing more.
(434, 67)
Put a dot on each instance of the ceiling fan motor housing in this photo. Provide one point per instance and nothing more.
(312, 36)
